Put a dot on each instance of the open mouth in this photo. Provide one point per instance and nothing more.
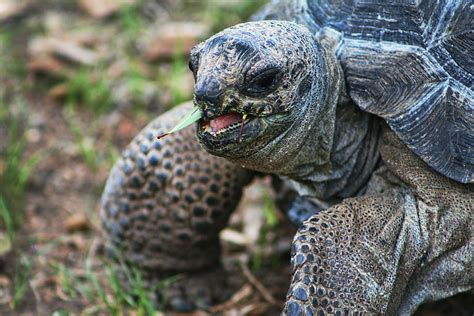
(225, 124)
(235, 135)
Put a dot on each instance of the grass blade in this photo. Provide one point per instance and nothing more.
(190, 118)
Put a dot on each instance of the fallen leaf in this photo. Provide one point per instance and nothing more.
(58, 91)
(77, 222)
(46, 64)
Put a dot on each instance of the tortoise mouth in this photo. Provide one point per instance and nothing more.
(222, 124)
(229, 134)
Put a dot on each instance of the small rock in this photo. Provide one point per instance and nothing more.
(125, 95)
(117, 69)
(73, 52)
(174, 38)
(12, 8)
(46, 64)
(77, 222)
(103, 8)
(55, 22)
(37, 120)
(253, 219)
(58, 91)
(64, 48)
(77, 242)
(5, 296)
(234, 237)
(33, 135)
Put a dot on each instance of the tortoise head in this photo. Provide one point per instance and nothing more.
(259, 85)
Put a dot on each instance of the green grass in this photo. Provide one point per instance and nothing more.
(179, 67)
(16, 170)
(137, 298)
(21, 282)
(60, 313)
(93, 158)
(11, 65)
(270, 222)
(136, 80)
(67, 280)
(7, 219)
(89, 87)
(84, 142)
(107, 293)
(131, 20)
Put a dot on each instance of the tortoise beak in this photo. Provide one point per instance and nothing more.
(209, 97)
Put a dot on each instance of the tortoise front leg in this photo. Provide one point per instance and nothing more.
(380, 254)
(344, 259)
(165, 203)
(410, 240)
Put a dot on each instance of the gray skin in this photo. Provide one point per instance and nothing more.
(295, 113)
(382, 231)
(307, 131)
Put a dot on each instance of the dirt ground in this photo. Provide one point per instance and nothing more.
(78, 80)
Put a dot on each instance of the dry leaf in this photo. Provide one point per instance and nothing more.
(77, 222)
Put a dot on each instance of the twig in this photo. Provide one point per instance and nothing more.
(257, 284)
(255, 309)
(241, 294)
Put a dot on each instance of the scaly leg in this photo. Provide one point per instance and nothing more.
(164, 205)
(408, 242)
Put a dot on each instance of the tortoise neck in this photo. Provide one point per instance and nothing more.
(353, 157)
(337, 160)
(329, 149)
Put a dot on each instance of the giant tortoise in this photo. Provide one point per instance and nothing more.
(363, 110)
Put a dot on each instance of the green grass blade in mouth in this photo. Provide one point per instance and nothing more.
(194, 115)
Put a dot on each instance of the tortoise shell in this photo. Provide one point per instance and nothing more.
(410, 62)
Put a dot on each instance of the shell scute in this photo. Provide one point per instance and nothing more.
(412, 64)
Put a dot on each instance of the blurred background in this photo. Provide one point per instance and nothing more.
(78, 80)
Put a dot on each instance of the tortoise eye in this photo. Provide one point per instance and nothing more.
(192, 68)
(263, 83)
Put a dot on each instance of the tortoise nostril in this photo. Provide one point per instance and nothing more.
(209, 92)
(205, 97)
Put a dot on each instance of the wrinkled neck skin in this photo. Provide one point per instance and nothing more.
(331, 148)
(353, 156)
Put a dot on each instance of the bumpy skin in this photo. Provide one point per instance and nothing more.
(303, 127)
(382, 253)
(409, 62)
(165, 203)
(407, 241)
(387, 231)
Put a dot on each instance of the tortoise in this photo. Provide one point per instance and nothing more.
(363, 113)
